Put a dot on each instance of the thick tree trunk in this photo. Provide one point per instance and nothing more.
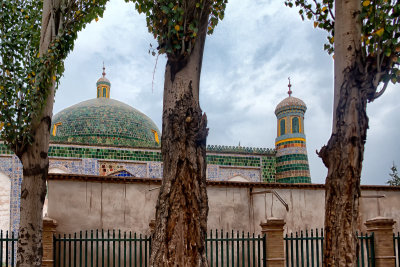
(33, 191)
(182, 206)
(35, 160)
(343, 155)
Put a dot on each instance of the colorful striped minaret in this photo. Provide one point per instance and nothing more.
(291, 152)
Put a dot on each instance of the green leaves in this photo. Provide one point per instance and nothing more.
(321, 12)
(174, 23)
(394, 176)
(380, 31)
(20, 37)
(26, 76)
(380, 35)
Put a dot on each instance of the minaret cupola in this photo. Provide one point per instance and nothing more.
(103, 86)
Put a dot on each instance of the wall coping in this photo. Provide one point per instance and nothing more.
(128, 180)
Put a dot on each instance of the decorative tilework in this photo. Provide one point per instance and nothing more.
(240, 149)
(291, 103)
(290, 157)
(291, 150)
(137, 169)
(122, 174)
(155, 170)
(251, 174)
(296, 180)
(212, 172)
(104, 121)
(12, 167)
(104, 153)
(107, 168)
(4, 149)
(90, 166)
(292, 167)
(268, 169)
(67, 165)
(233, 160)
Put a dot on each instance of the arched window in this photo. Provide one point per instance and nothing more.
(104, 92)
(295, 125)
(282, 127)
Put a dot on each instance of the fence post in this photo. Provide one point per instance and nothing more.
(49, 228)
(273, 229)
(383, 240)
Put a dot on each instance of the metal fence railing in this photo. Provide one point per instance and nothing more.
(116, 248)
(8, 243)
(236, 249)
(396, 245)
(306, 249)
(102, 248)
(366, 254)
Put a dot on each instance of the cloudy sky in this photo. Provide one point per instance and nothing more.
(247, 61)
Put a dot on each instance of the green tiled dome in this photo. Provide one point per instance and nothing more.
(104, 121)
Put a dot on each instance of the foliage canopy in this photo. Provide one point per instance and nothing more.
(175, 23)
(380, 20)
(26, 76)
(395, 179)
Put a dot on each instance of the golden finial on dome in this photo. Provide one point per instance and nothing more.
(290, 91)
(104, 71)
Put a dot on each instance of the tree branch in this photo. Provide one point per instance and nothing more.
(378, 94)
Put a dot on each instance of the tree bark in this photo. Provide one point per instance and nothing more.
(182, 206)
(343, 155)
(34, 158)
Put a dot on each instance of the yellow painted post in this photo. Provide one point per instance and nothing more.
(273, 229)
(383, 240)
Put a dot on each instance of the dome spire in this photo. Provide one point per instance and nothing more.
(103, 85)
(289, 85)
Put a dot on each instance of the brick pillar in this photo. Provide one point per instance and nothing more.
(49, 228)
(383, 240)
(273, 229)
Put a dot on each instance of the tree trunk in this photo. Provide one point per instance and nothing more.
(343, 155)
(33, 191)
(182, 206)
(35, 161)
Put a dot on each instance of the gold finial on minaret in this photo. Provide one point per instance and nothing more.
(290, 91)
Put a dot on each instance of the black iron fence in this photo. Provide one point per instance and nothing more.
(396, 245)
(236, 249)
(116, 248)
(102, 248)
(306, 249)
(8, 243)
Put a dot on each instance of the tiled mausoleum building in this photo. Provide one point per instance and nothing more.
(106, 137)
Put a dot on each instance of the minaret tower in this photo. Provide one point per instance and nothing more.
(103, 85)
(291, 152)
